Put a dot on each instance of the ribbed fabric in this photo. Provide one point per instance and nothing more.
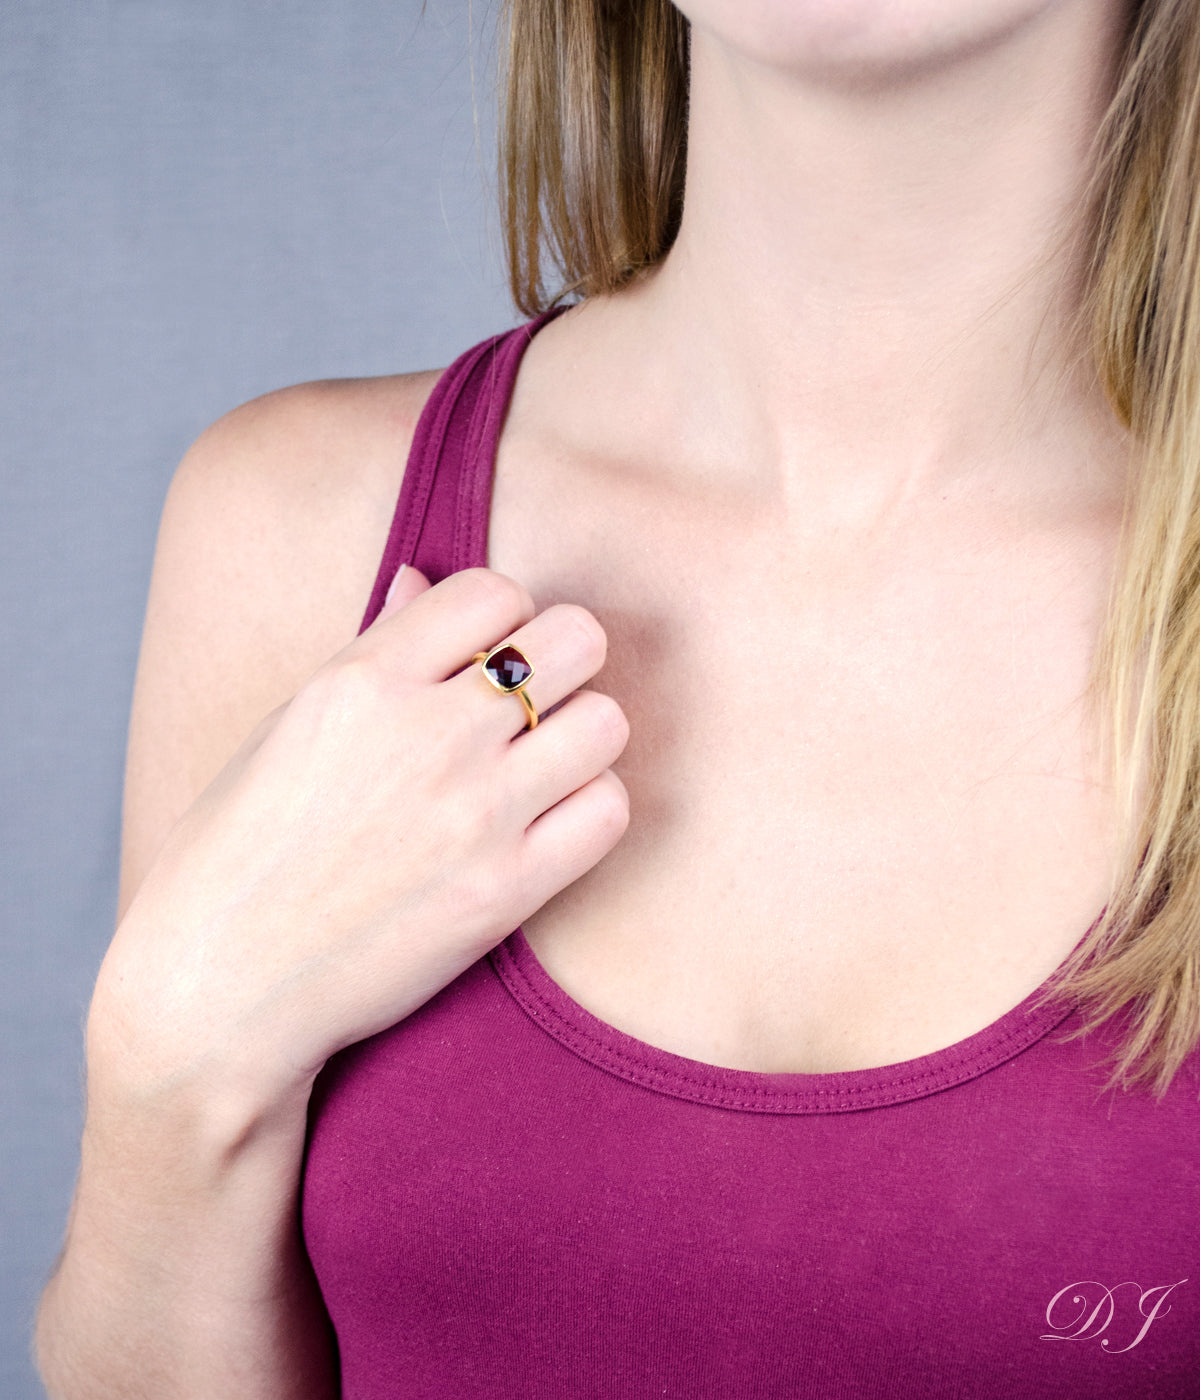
(505, 1197)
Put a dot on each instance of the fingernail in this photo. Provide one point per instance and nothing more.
(392, 586)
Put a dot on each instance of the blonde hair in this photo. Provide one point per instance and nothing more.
(593, 132)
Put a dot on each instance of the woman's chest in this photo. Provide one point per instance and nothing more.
(499, 1202)
(867, 807)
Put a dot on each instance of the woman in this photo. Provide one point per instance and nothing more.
(816, 1078)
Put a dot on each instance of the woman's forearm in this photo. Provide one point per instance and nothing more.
(184, 1275)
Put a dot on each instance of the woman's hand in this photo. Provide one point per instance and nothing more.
(369, 841)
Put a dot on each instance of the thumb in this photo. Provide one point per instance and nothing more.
(405, 586)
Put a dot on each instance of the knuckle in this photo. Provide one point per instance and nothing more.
(477, 805)
(478, 891)
(351, 683)
(585, 627)
(500, 592)
(482, 822)
(437, 732)
(612, 804)
(499, 886)
(609, 718)
(487, 807)
(433, 746)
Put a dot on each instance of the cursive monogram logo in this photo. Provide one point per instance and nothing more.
(1092, 1318)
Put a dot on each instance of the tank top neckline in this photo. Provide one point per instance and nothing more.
(453, 459)
(757, 1091)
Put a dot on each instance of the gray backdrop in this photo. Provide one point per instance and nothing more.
(200, 202)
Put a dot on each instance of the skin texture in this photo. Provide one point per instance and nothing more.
(831, 511)
(846, 503)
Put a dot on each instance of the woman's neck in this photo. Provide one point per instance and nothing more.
(875, 274)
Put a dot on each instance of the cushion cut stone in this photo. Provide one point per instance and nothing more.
(508, 668)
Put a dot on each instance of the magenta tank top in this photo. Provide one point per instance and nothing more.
(505, 1198)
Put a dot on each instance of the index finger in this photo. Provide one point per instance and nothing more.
(437, 632)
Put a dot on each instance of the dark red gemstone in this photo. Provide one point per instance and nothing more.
(508, 668)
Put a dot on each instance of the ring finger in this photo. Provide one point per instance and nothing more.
(566, 647)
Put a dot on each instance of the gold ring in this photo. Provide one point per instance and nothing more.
(508, 669)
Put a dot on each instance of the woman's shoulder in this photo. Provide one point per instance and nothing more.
(337, 443)
(269, 540)
(287, 500)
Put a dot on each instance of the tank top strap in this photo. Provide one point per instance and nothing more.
(440, 524)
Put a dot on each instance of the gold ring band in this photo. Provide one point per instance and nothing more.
(508, 669)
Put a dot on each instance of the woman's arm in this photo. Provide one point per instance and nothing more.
(369, 839)
(183, 1273)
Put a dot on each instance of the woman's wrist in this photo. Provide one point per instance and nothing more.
(195, 1077)
(183, 1258)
